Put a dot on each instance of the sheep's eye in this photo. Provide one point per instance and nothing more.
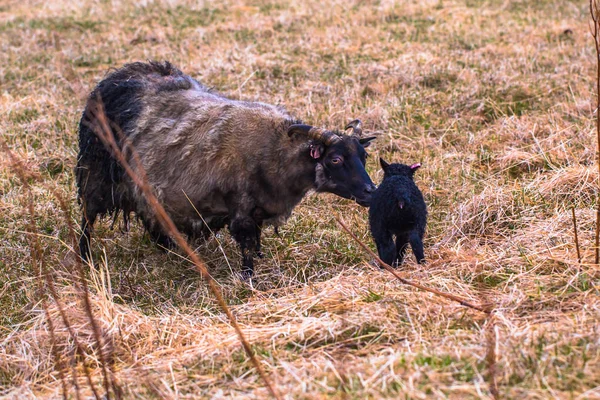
(336, 160)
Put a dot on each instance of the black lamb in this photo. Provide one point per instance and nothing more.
(398, 209)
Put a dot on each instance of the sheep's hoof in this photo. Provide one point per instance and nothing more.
(166, 244)
(247, 275)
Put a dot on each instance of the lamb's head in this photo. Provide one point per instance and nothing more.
(398, 169)
(340, 161)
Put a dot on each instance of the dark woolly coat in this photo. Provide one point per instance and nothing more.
(398, 210)
(209, 159)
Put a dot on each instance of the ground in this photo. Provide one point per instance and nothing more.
(496, 100)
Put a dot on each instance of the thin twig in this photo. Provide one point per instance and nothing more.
(595, 12)
(490, 356)
(596, 259)
(102, 129)
(575, 234)
(486, 309)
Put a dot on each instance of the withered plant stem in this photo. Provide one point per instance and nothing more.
(55, 353)
(575, 235)
(595, 12)
(490, 356)
(388, 268)
(597, 242)
(106, 134)
(44, 276)
(108, 379)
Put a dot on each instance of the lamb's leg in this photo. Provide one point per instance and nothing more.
(417, 246)
(386, 248)
(383, 240)
(401, 245)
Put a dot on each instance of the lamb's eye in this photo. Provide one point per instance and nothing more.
(336, 160)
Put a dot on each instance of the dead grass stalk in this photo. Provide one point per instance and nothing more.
(595, 13)
(43, 275)
(102, 127)
(483, 308)
(575, 235)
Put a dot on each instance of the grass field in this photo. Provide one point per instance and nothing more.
(494, 97)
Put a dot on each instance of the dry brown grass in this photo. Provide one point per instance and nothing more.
(495, 98)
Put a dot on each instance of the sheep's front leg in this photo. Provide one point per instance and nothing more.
(87, 223)
(244, 231)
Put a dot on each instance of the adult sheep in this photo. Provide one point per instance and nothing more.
(236, 163)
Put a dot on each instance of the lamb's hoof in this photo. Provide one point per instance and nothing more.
(376, 264)
(260, 254)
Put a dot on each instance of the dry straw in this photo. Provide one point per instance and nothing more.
(483, 308)
(487, 308)
(105, 131)
(43, 275)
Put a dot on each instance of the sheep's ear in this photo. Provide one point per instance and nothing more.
(415, 167)
(316, 150)
(384, 164)
(366, 141)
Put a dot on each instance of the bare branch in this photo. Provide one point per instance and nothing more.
(486, 309)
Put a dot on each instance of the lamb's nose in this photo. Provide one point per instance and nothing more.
(370, 189)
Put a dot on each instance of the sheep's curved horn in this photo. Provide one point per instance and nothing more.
(323, 135)
(356, 126)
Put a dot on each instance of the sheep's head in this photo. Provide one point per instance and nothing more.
(340, 161)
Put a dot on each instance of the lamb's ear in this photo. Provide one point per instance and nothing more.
(415, 167)
(366, 141)
(384, 164)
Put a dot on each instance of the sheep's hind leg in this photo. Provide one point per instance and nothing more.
(259, 216)
(259, 252)
(158, 237)
(164, 242)
(244, 231)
